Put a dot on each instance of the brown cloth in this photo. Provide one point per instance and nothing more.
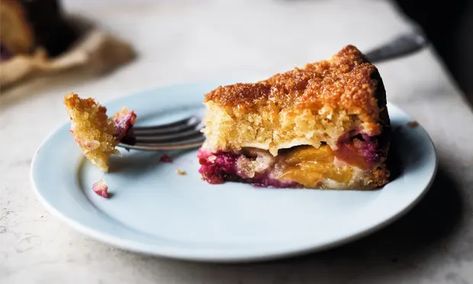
(96, 52)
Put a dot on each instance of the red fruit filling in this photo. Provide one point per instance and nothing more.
(224, 166)
(165, 158)
(123, 121)
(361, 150)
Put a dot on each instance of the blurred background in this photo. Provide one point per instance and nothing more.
(46, 24)
(449, 27)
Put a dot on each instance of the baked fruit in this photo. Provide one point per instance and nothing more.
(97, 134)
(325, 125)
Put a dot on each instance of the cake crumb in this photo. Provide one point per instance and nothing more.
(97, 134)
(101, 188)
(181, 172)
(412, 124)
(165, 158)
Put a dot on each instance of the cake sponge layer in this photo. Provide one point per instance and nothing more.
(316, 104)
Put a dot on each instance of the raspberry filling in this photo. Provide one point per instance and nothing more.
(123, 120)
(230, 166)
(361, 150)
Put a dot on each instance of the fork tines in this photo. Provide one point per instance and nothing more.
(181, 134)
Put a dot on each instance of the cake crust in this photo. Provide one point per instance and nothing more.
(347, 80)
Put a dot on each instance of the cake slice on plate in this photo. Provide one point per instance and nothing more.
(325, 125)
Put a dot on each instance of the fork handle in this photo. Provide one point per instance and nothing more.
(401, 45)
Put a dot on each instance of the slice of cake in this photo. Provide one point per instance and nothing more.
(321, 126)
(97, 134)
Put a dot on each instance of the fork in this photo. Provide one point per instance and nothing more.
(186, 133)
(178, 135)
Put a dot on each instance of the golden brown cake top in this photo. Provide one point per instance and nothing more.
(345, 81)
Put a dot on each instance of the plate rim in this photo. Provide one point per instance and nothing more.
(134, 246)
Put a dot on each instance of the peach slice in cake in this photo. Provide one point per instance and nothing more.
(325, 125)
(97, 134)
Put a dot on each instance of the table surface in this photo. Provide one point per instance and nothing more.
(188, 41)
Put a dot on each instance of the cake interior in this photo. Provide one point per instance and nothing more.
(354, 156)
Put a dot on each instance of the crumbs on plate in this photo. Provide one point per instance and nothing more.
(412, 124)
(165, 158)
(181, 172)
(101, 188)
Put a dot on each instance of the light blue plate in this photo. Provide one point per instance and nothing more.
(154, 210)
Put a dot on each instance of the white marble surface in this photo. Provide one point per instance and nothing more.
(181, 41)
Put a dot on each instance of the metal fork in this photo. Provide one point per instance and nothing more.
(186, 133)
(177, 135)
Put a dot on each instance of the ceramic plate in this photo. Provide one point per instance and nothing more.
(156, 211)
